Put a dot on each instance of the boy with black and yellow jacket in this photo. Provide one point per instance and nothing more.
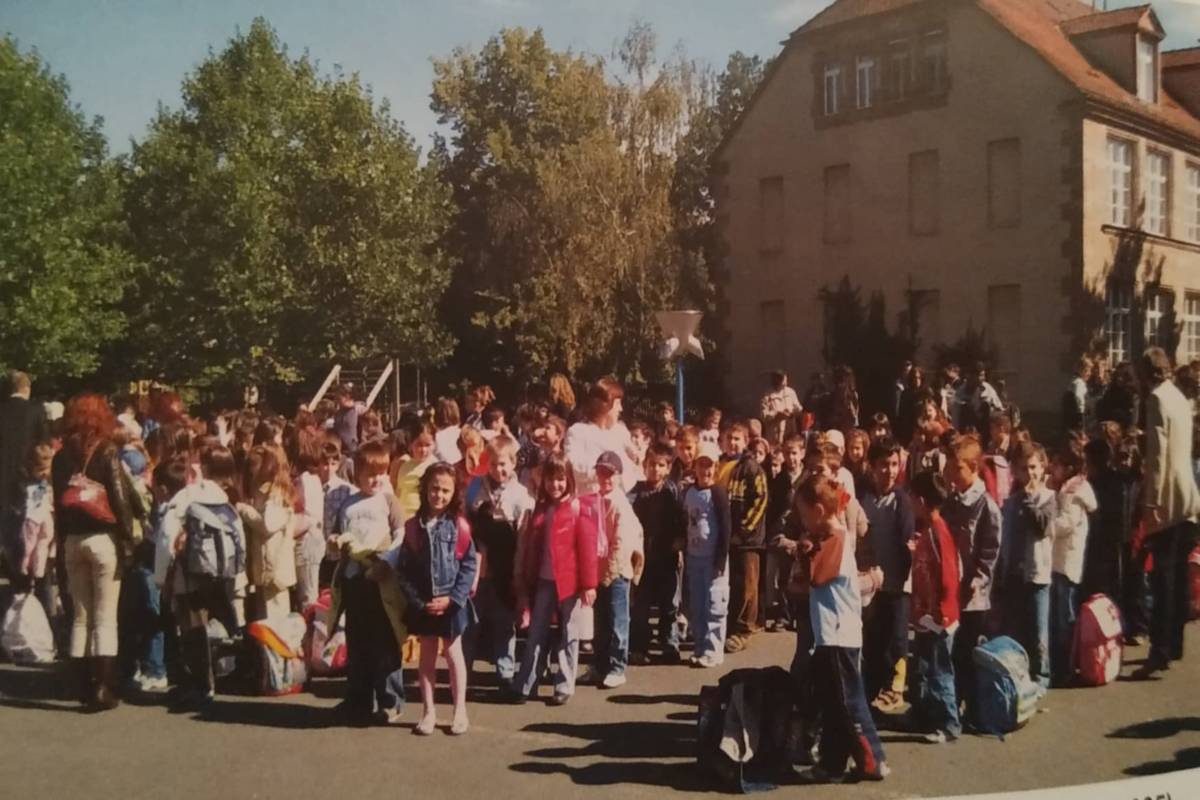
(747, 490)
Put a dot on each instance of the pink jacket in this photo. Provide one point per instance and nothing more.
(573, 544)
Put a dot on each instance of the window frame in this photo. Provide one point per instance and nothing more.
(1125, 219)
(1191, 194)
(1118, 321)
(1158, 208)
(1190, 331)
(934, 43)
(832, 100)
(1159, 304)
(899, 69)
(864, 91)
(1147, 69)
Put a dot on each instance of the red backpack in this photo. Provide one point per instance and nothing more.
(1098, 645)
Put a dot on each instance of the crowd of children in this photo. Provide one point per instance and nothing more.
(890, 560)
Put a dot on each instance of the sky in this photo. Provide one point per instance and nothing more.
(124, 57)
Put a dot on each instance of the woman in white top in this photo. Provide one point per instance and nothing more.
(601, 430)
(446, 419)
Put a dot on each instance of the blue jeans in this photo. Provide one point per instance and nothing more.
(566, 649)
(374, 672)
(658, 589)
(847, 728)
(1033, 632)
(708, 598)
(612, 628)
(1064, 610)
(496, 624)
(140, 628)
(1169, 587)
(934, 701)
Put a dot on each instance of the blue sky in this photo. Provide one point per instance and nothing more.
(123, 57)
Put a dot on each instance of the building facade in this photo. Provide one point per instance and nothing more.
(1028, 168)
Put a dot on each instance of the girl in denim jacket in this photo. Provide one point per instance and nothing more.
(438, 565)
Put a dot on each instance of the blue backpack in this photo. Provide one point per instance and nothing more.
(1005, 694)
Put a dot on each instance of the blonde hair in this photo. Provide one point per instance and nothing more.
(41, 456)
(502, 446)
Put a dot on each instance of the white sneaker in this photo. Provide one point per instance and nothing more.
(708, 662)
(149, 684)
(613, 680)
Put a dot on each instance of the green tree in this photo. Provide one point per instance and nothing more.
(62, 267)
(562, 176)
(285, 221)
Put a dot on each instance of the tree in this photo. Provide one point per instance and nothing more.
(284, 220)
(562, 176)
(62, 267)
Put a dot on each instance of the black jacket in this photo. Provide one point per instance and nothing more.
(104, 468)
(22, 425)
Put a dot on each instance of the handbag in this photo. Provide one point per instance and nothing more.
(88, 496)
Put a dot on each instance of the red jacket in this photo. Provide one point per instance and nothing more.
(574, 549)
(935, 575)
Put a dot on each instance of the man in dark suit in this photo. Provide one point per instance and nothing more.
(22, 425)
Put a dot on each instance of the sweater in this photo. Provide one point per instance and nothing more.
(616, 521)
(1170, 485)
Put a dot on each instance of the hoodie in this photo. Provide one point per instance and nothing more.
(1076, 500)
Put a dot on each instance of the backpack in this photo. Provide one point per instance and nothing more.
(744, 728)
(1098, 647)
(1006, 697)
(324, 645)
(279, 663)
(214, 541)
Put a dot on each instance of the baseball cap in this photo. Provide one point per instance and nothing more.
(710, 451)
(836, 437)
(610, 461)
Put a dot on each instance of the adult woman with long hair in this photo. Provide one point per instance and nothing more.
(95, 506)
(599, 430)
(562, 396)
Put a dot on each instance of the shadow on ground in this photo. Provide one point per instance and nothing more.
(638, 752)
(1188, 758)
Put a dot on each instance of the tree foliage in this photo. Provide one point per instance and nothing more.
(62, 267)
(563, 171)
(284, 221)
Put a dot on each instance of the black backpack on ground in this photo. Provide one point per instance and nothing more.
(759, 707)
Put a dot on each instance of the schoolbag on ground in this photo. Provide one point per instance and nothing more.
(1098, 648)
(214, 543)
(743, 729)
(1005, 695)
(280, 661)
(325, 642)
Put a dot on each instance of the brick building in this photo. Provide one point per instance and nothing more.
(1028, 167)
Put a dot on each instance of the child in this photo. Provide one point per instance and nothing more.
(687, 447)
(406, 476)
(473, 462)
(36, 545)
(890, 515)
(835, 455)
(935, 580)
(310, 527)
(369, 523)
(270, 524)
(999, 445)
(657, 504)
(1076, 501)
(620, 570)
(974, 520)
(139, 606)
(498, 508)
(1027, 546)
(781, 492)
(556, 573)
(547, 440)
(835, 610)
(708, 533)
(710, 427)
(641, 436)
(438, 566)
(747, 489)
(856, 462)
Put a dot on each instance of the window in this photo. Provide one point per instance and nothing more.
(1159, 324)
(837, 204)
(923, 193)
(1004, 183)
(1120, 171)
(865, 80)
(1191, 208)
(1158, 192)
(1118, 315)
(833, 88)
(1147, 74)
(899, 71)
(1191, 326)
(770, 209)
(933, 61)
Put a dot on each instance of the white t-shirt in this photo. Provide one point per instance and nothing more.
(584, 445)
(445, 445)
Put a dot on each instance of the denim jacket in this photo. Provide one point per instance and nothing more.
(437, 559)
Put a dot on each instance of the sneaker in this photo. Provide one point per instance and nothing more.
(693, 661)
(816, 775)
(391, 716)
(589, 678)
(937, 737)
(883, 771)
(613, 680)
(671, 657)
(560, 699)
(147, 683)
(708, 662)
(638, 659)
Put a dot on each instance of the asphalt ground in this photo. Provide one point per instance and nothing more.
(632, 742)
